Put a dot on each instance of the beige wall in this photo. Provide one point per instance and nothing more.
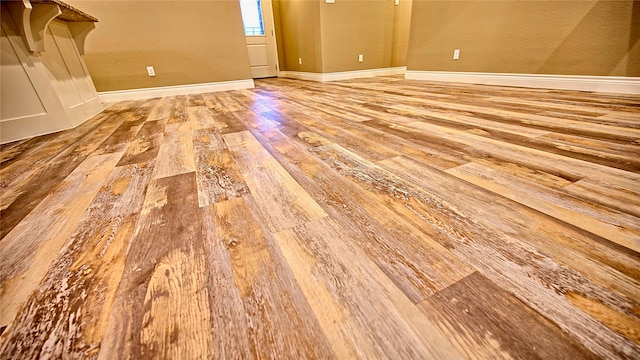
(350, 28)
(368, 27)
(329, 37)
(188, 42)
(299, 28)
(402, 32)
(539, 37)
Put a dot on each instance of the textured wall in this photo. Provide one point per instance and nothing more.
(539, 37)
(329, 37)
(352, 27)
(299, 25)
(188, 42)
(402, 30)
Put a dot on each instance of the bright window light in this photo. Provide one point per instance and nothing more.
(252, 17)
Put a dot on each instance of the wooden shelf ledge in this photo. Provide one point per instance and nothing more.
(69, 13)
(32, 17)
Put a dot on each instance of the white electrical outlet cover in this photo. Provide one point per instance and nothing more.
(456, 54)
(330, 1)
(151, 71)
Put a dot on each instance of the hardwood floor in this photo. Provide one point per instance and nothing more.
(370, 218)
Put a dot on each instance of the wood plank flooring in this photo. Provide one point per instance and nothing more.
(374, 218)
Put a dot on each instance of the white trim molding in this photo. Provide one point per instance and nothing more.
(344, 75)
(301, 75)
(611, 84)
(148, 93)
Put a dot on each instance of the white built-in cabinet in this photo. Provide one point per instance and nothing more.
(44, 83)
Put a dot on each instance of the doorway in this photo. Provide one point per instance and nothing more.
(257, 18)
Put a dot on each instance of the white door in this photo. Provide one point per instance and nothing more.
(257, 17)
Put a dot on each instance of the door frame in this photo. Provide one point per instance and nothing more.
(273, 33)
(267, 18)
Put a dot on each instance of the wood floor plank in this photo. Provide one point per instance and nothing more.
(340, 282)
(577, 147)
(536, 159)
(12, 152)
(17, 174)
(363, 141)
(175, 155)
(598, 115)
(145, 146)
(271, 185)
(218, 176)
(524, 173)
(195, 100)
(179, 109)
(528, 283)
(437, 152)
(228, 102)
(453, 119)
(486, 322)
(161, 110)
(630, 150)
(275, 316)
(117, 106)
(274, 123)
(201, 118)
(223, 122)
(160, 308)
(230, 122)
(602, 261)
(366, 218)
(45, 231)
(615, 226)
(120, 138)
(229, 321)
(411, 258)
(327, 106)
(66, 316)
(541, 105)
(19, 200)
(523, 135)
(454, 103)
(258, 122)
(619, 198)
(177, 320)
(212, 102)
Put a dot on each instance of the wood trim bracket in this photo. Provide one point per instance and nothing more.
(79, 31)
(41, 16)
(32, 17)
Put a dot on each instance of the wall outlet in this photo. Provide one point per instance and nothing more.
(330, 1)
(300, 61)
(360, 58)
(397, 2)
(456, 54)
(151, 71)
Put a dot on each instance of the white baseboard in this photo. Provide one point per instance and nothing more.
(611, 84)
(300, 75)
(148, 93)
(42, 124)
(345, 75)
